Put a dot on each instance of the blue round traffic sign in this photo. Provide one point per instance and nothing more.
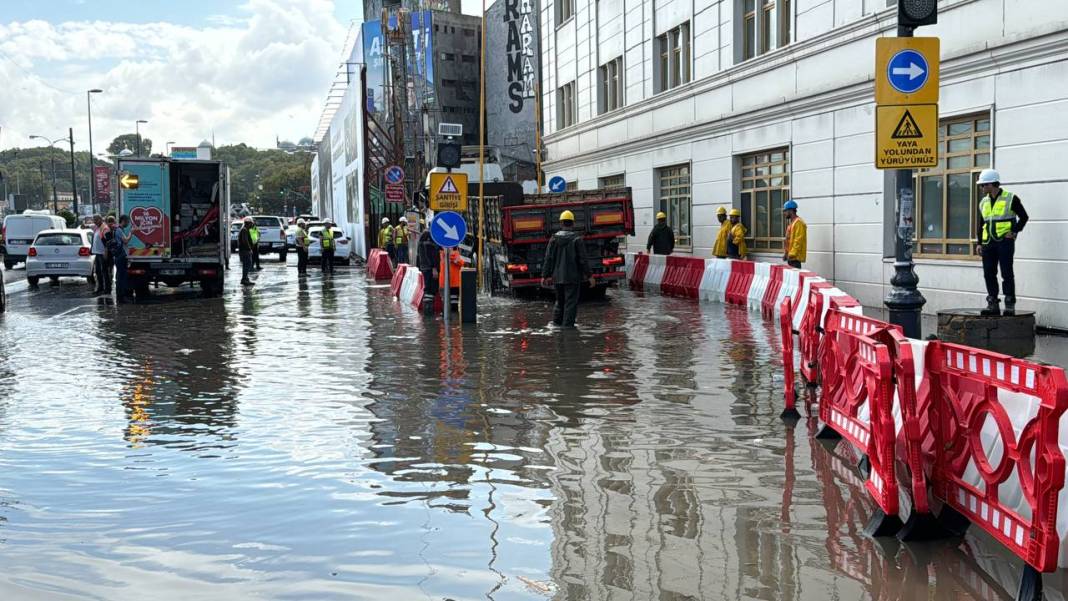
(908, 71)
(448, 229)
(394, 174)
(557, 184)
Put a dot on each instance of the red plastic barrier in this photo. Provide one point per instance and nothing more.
(420, 290)
(771, 293)
(398, 279)
(786, 317)
(811, 331)
(379, 266)
(970, 387)
(637, 277)
(674, 272)
(741, 278)
(857, 373)
(683, 276)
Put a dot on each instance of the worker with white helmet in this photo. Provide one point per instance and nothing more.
(385, 237)
(400, 241)
(1001, 218)
(303, 241)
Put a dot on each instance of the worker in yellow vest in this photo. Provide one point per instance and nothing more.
(796, 236)
(400, 241)
(327, 247)
(736, 248)
(385, 237)
(1001, 218)
(719, 249)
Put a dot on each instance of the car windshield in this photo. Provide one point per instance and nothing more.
(59, 240)
(267, 222)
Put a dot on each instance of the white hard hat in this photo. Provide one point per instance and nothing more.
(988, 176)
(385, 220)
(404, 219)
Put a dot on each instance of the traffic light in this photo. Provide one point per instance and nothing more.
(449, 154)
(915, 13)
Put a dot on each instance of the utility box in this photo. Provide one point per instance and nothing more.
(468, 295)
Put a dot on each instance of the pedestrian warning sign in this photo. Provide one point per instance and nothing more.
(448, 191)
(906, 136)
(907, 128)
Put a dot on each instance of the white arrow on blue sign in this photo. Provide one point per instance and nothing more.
(557, 184)
(448, 229)
(907, 71)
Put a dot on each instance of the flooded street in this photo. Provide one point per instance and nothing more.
(321, 441)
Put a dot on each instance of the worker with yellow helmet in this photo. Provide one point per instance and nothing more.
(719, 249)
(736, 248)
(661, 239)
(566, 268)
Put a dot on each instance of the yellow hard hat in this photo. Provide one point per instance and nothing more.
(721, 211)
(661, 215)
(567, 216)
(736, 213)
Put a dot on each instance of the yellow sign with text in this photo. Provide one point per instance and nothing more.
(906, 70)
(906, 136)
(448, 191)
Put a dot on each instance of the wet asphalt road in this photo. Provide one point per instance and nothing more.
(318, 440)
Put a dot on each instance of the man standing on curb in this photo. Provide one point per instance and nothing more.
(719, 249)
(1001, 218)
(796, 236)
(566, 268)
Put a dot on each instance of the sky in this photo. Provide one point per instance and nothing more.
(246, 70)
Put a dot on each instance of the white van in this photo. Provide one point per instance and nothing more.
(19, 232)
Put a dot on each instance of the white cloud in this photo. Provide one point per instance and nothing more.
(247, 78)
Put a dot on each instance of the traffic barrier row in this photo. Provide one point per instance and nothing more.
(379, 266)
(979, 430)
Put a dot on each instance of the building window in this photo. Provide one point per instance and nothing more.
(571, 186)
(612, 181)
(947, 198)
(765, 26)
(673, 198)
(446, 56)
(468, 58)
(610, 92)
(565, 106)
(673, 49)
(765, 187)
(565, 9)
(468, 32)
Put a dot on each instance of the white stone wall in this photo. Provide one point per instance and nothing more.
(1007, 58)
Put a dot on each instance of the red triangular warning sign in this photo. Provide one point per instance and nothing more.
(448, 187)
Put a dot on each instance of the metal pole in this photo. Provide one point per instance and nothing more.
(73, 177)
(904, 301)
(55, 195)
(448, 290)
(482, 148)
(92, 174)
(137, 128)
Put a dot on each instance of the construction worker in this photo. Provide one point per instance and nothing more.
(255, 233)
(244, 250)
(566, 268)
(796, 236)
(661, 239)
(456, 263)
(400, 241)
(719, 249)
(426, 256)
(385, 237)
(302, 241)
(736, 248)
(1001, 218)
(326, 241)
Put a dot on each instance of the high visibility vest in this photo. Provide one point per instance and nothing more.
(736, 246)
(302, 238)
(797, 240)
(997, 216)
(400, 235)
(254, 233)
(328, 239)
(385, 236)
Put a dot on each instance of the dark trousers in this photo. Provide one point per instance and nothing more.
(567, 297)
(401, 255)
(246, 266)
(391, 250)
(98, 272)
(999, 253)
(109, 271)
(256, 256)
(302, 261)
(794, 263)
(327, 261)
(122, 288)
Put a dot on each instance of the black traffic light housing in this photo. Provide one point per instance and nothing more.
(449, 154)
(916, 13)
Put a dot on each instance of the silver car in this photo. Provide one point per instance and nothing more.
(60, 253)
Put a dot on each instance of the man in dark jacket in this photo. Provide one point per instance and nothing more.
(661, 239)
(567, 268)
(245, 249)
(426, 258)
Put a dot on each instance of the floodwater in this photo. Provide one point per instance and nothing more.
(321, 441)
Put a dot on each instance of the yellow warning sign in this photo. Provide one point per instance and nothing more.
(906, 136)
(448, 191)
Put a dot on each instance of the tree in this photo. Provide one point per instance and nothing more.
(130, 141)
(72, 220)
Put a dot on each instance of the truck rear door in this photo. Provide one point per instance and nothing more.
(145, 195)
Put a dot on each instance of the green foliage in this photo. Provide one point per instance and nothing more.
(270, 181)
(69, 216)
(29, 170)
(130, 141)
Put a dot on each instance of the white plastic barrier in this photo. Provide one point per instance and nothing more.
(761, 278)
(411, 290)
(790, 279)
(714, 281)
(828, 294)
(654, 274)
(802, 303)
(629, 258)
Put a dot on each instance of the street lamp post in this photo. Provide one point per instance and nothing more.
(73, 178)
(137, 127)
(52, 159)
(169, 142)
(92, 171)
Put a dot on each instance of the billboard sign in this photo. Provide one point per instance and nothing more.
(102, 176)
(419, 60)
(184, 153)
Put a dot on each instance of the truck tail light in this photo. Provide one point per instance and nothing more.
(33, 252)
(206, 272)
(136, 271)
(613, 218)
(528, 224)
(610, 261)
(517, 268)
(83, 251)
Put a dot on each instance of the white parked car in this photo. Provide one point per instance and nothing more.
(272, 235)
(342, 245)
(291, 237)
(235, 229)
(19, 232)
(60, 253)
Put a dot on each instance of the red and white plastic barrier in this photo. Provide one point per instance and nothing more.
(379, 266)
(398, 278)
(411, 287)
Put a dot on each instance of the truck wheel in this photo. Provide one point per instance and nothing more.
(140, 289)
(8, 263)
(597, 293)
(212, 287)
(282, 256)
(32, 280)
(54, 279)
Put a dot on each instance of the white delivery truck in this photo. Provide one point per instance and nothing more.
(179, 217)
(20, 230)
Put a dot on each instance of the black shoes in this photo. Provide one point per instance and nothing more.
(992, 307)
